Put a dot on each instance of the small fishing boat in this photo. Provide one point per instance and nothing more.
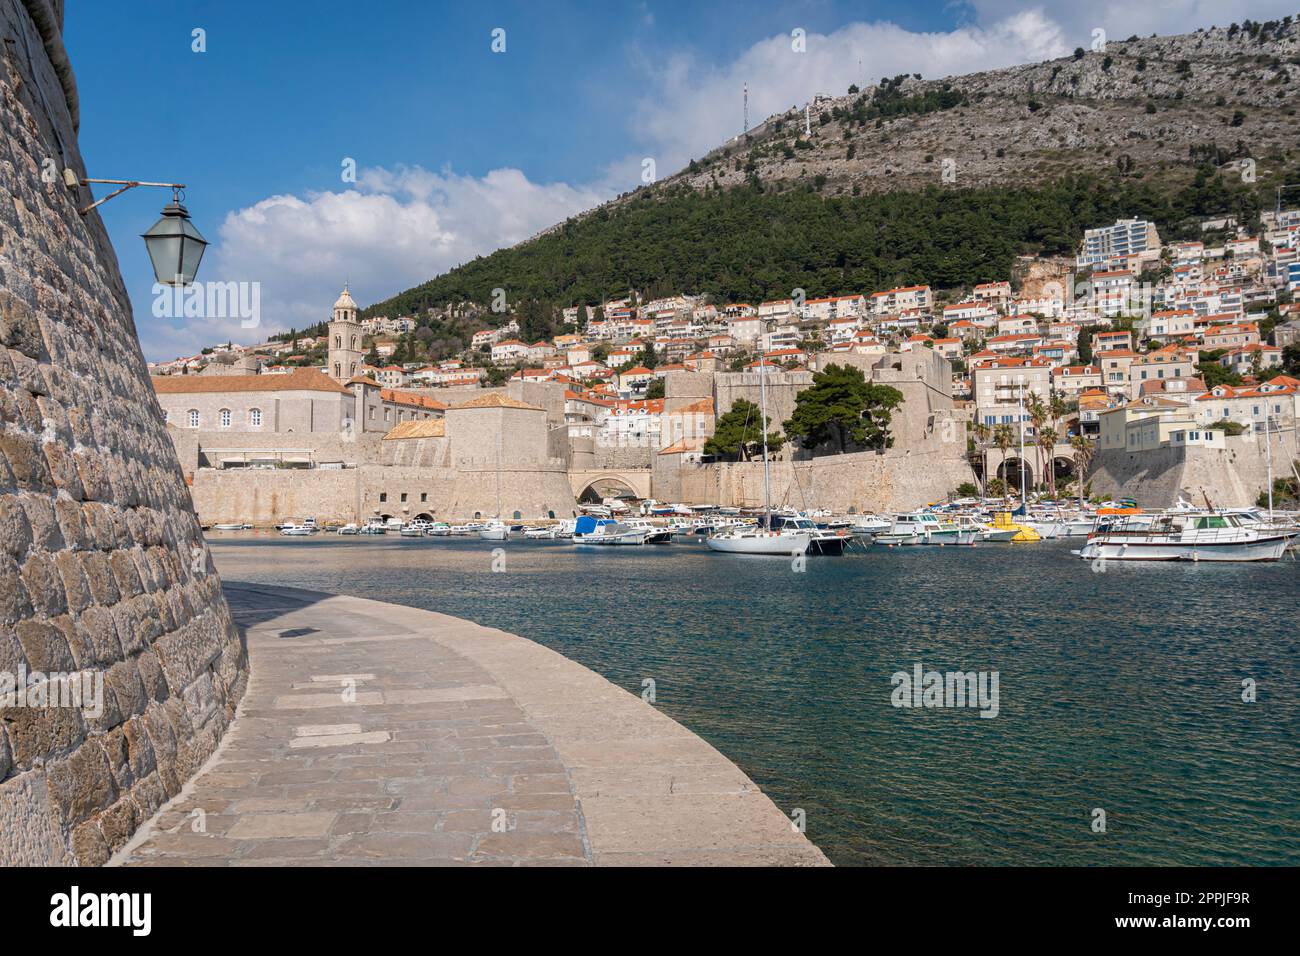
(296, 530)
(415, 529)
(373, 526)
(495, 530)
(349, 528)
(234, 526)
(438, 529)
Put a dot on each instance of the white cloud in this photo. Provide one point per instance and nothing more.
(1123, 18)
(398, 228)
(696, 104)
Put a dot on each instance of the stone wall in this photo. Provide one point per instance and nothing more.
(863, 481)
(103, 569)
(268, 497)
(1232, 477)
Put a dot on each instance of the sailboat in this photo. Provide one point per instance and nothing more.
(762, 539)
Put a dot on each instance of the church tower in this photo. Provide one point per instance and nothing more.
(345, 354)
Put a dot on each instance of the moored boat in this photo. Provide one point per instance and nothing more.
(1183, 536)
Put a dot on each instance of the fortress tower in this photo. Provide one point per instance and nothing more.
(345, 354)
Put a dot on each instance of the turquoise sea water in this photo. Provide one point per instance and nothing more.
(1119, 690)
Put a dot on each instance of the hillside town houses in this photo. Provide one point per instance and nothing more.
(1121, 336)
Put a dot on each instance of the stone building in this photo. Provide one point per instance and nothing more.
(105, 582)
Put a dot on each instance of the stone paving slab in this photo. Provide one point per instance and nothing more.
(378, 734)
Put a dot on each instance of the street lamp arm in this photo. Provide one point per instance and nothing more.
(125, 184)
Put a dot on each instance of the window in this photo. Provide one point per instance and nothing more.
(194, 418)
(224, 417)
(424, 496)
(403, 496)
(383, 496)
(255, 417)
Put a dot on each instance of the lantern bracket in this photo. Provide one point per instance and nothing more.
(129, 184)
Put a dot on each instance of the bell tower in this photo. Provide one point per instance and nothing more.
(345, 354)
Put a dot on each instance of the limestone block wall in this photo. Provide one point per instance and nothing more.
(867, 481)
(1233, 476)
(103, 570)
(271, 496)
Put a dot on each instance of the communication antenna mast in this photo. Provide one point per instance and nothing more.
(746, 107)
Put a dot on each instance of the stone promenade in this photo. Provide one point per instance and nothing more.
(378, 734)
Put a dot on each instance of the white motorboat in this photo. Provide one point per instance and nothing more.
(868, 523)
(983, 530)
(236, 526)
(495, 530)
(296, 530)
(1183, 536)
(437, 529)
(373, 526)
(654, 534)
(924, 527)
(415, 529)
(349, 528)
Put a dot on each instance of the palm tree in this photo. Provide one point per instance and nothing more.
(1084, 449)
(982, 436)
(1046, 441)
(1038, 417)
(1004, 438)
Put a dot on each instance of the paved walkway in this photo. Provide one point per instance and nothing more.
(373, 733)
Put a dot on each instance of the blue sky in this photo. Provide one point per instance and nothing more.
(461, 150)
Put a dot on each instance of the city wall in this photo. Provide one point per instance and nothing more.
(103, 569)
(1232, 477)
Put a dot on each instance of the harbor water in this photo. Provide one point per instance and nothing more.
(1119, 689)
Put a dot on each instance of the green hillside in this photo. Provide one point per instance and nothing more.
(750, 244)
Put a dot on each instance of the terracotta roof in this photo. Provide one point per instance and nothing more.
(703, 405)
(497, 400)
(424, 428)
(302, 379)
(410, 398)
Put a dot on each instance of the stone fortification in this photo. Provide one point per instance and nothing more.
(103, 570)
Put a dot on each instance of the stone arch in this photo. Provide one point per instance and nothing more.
(1009, 471)
(607, 486)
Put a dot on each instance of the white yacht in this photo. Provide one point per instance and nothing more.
(1184, 536)
(495, 530)
(292, 529)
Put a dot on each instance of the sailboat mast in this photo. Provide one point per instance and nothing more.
(1023, 503)
(1268, 445)
(762, 424)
